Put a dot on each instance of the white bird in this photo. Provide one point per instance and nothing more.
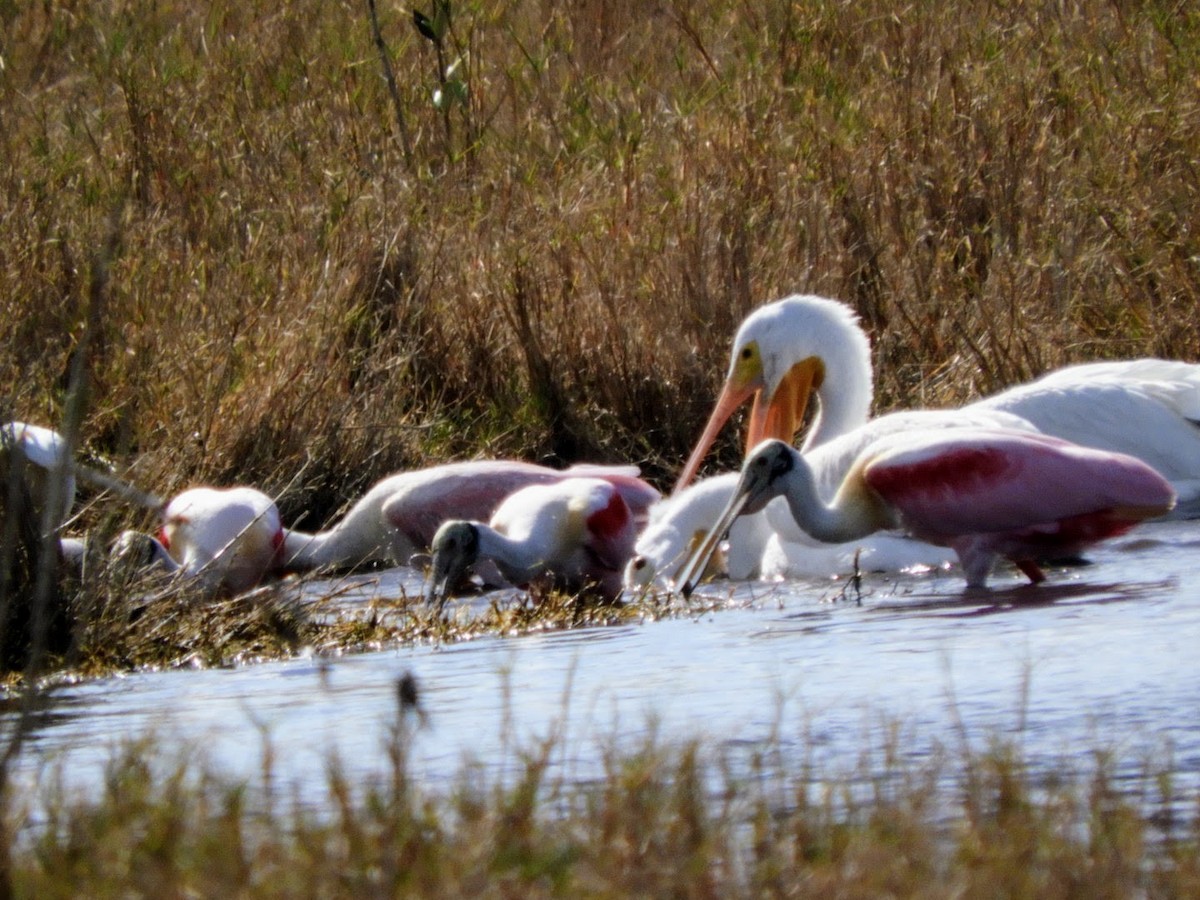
(982, 492)
(576, 535)
(51, 479)
(399, 516)
(803, 345)
(678, 522)
(47, 450)
(228, 539)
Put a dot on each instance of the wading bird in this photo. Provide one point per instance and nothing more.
(399, 516)
(46, 451)
(803, 345)
(768, 544)
(982, 492)
(575, 535)
(228, 539)
(677, 524)
(50, 478)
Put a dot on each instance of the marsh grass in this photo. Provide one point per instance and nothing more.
(554, 266)
(130, 620)
(658, 819)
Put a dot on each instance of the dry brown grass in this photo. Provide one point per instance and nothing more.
(658, 820)
(998, 189)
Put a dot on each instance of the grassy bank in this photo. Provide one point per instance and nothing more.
(304, 295)
(660, 819)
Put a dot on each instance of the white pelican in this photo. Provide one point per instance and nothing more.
(803, 345)
(399, 516)
(228, 539)
(982, 492)
(576, 534)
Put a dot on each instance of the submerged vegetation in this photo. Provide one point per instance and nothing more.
(304, 246)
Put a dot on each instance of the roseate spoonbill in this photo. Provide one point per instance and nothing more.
(576, 534)
(52, 479)
(47, 451)
(753, 549)
(399, 516)
(678, 522)
(228, 539)
(802, 345)
(982, 492)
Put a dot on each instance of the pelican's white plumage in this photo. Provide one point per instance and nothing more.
(574, 534)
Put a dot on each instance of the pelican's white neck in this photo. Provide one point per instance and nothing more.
(846, 392)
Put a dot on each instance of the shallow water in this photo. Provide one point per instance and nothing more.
(1100, 656)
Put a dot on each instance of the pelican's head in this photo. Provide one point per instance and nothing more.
(454, 550)
(782, 354)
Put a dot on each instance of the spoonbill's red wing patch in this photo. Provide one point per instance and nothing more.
(1079, 531)
(955, 472)
(611, 528)
(952, 488)
(993, 481)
